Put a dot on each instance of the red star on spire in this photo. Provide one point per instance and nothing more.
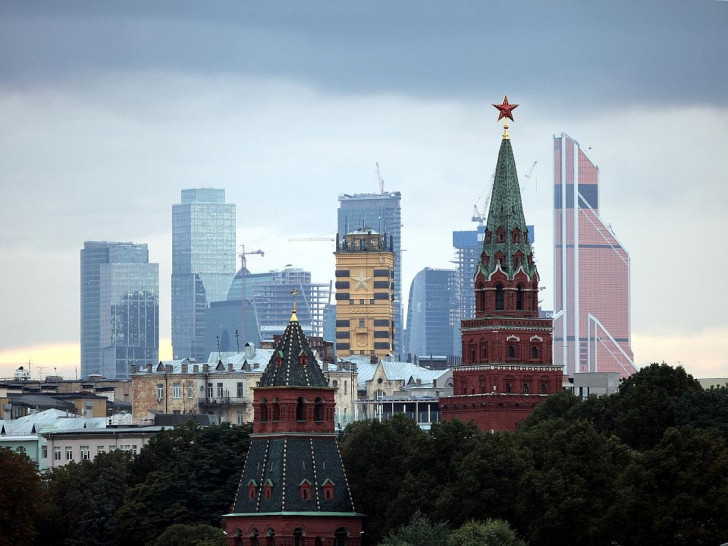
(505, 109)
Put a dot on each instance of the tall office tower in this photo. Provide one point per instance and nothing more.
(380, 212)
(432, 314)
(119, 308)
(364, 294)
(203, 264)
(591, 272)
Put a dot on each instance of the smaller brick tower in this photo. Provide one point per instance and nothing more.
(507, 366)
(293, 491)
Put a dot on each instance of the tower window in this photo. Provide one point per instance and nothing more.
(276, 410)
(519, 295)
(511, 351)
(534, 352)
(318, 410)
(300, 409)
(263, 411)
(499, 297)
(516, 235)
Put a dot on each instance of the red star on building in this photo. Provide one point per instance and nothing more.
(505, 109)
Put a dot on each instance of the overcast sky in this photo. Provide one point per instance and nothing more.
(108, 110)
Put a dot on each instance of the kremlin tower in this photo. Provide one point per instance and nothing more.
(293, 491)
(507, 366)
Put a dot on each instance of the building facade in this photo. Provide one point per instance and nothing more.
(432, 314)
(507, 366)
(365, 316)
(293, 488)
(203, 264)
(119, 308)
(591, 272)
(380, 212)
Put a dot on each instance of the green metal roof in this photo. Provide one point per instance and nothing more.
(506, 212)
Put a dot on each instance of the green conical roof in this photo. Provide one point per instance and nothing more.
(506, 214)
(293, 363)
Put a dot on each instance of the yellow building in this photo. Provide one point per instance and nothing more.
(364, 294)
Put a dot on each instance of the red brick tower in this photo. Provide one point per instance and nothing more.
(293, 491)
(507, 364)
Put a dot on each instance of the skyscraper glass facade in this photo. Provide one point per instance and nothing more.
(382, 213)
(203, 264)
(119, 309)
(432, 314)
(591, 272)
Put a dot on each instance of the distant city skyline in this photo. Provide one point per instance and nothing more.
(288, 107)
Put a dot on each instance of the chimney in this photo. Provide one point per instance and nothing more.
(249, 350)
(149, 368)
(88, 408)
(230, 366)
(133, 369)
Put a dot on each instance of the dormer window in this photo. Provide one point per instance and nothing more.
(279, 358)
(500, 236)
(302, 359)
(516, 237)
(488, 236)
(328, 489)
(268, 489)
(252, 489)
(305, 489)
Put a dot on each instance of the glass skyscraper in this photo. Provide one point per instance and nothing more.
(591, 272)
(203, 265)
(432, 314)
(382, 213)
(119, 309)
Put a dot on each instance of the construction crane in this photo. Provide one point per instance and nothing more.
(380, 179)
(527, 176)
(243, 287)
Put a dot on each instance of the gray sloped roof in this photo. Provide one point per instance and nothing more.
(285, 368)
(285, 463)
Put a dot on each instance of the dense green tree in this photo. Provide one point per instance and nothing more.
(494, 532)
(484, 482)
(186, 475)
(570, 483)
(420, 531)
(646, 401)
(377, 457)
(83, 500)
(191, 535)
(22, 498)
(707, 408)
(676, 493)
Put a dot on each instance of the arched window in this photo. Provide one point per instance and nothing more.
(263, 410)
(341, 537)
(238, 537)
(305, 489)
(473, 353)
(20, 449)
(328, 489)
(516, 235)
(252, 489)
(300, 409)
(483, 351)
(298, 537)
(276, 410)
(509, 388)
(479, 299)
(511, 351)
(534, 352)
(270, 538)
(254, 537)
(526, 388)
(499, 298)
(519, 298)
(318, 410)
(544, 388)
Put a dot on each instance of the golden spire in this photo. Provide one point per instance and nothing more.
(294, 318)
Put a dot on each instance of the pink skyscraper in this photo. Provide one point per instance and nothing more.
(592, 326)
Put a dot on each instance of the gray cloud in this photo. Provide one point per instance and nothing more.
(566, 53)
